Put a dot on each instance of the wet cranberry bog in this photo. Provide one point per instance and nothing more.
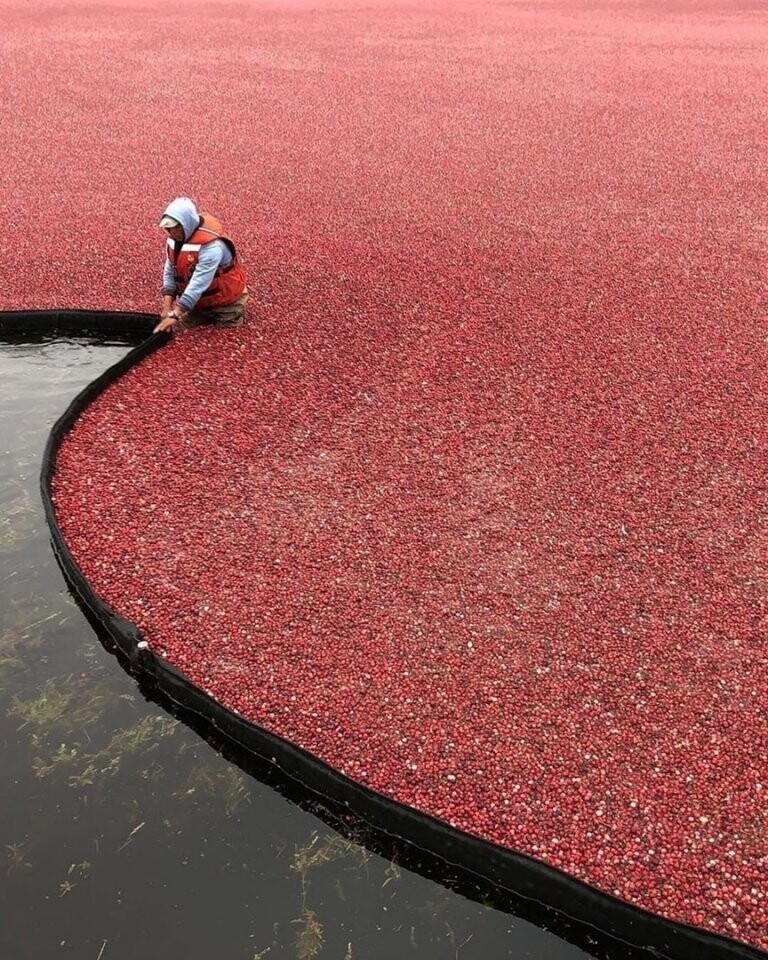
(571, 909)
(492, 442)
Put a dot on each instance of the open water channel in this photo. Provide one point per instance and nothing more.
(124, 834)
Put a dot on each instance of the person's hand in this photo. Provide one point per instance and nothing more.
(170, 318)
(166, 322)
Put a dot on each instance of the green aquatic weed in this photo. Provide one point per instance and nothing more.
(145, 735)
(60, 757)
(21, 520)
(16, 858)
(9, 655)
(60, 706)
(315, 853)
(309, 939)
(228, 783)
(233, 789)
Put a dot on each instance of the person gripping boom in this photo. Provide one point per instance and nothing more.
(203, 279)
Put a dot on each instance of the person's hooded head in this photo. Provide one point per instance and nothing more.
(181, 218)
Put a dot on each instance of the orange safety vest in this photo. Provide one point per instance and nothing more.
(228, 283)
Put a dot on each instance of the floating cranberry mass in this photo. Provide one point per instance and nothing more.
(473, 508)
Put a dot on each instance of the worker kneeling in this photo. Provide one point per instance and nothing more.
(203, 280)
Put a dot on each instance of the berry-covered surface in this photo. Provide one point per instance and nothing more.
(473, 507)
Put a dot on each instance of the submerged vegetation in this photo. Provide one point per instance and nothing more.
(19, 519)
(9, 653)
(227, 784)
(58, 708)
(317, 851)
(16, 857)
(309, 939)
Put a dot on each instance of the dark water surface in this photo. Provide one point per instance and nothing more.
(124, 835)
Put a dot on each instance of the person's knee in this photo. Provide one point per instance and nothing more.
(235, 316)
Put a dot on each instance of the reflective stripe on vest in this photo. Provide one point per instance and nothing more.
(185, 247)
